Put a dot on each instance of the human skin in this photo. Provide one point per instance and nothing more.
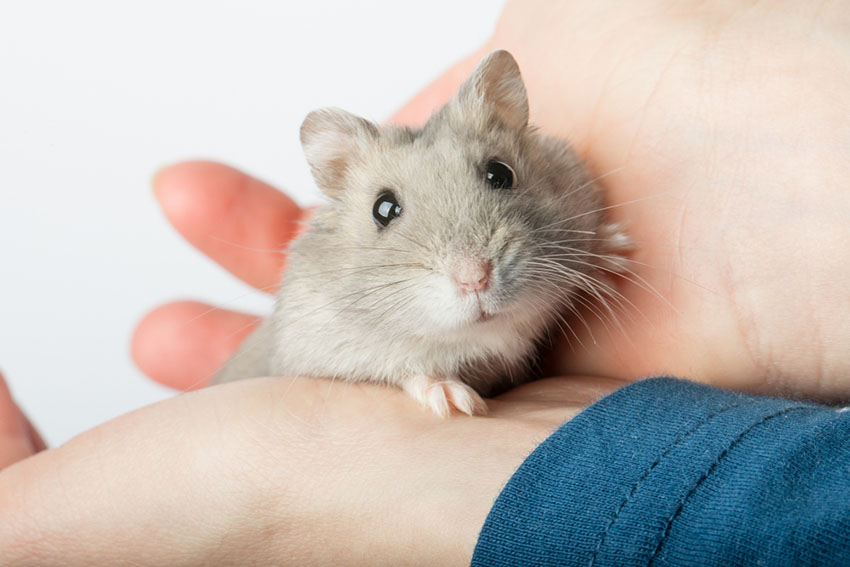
(721, 130)
(277, 471)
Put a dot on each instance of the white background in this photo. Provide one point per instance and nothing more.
(96, 96)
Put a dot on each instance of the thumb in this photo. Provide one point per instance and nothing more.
(417, 110)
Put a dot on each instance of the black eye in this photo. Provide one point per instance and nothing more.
(499, 175)
(386, 208)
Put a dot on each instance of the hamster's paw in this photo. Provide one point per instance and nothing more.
(440, 394)
(617, 244)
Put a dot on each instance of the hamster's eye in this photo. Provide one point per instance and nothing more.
(386, 208)
(499, 175)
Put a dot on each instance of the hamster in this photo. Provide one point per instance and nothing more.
(444, 255)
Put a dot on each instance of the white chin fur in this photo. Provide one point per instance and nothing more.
(448, 310)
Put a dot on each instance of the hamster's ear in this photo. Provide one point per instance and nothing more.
(496, 86)
(331, 138)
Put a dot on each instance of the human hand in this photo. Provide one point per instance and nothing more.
(693, 117)
(18, 438)
(278, 472)
(721, 133)
(714, 145)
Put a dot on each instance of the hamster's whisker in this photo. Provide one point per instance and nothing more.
(414, 242)
(638, 244)
(397, 304)
(353, 270)
(391, 295)
(280, 250)
(365, 295)
(567, 329)
(575, 278)
(628, 274)
(638, 280)
(606, 294)
(596, 286)
(598, 289)
(571, 307)
(372, 248)
(596, 307)
(558, 243)
(204, 313)
(559, 318)
(548, 228)
(571, 191)
(366, 291)
(614, 206)
(555, 277)
(595, 310)
(621, 259)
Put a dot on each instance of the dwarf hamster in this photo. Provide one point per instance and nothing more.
(444, 255)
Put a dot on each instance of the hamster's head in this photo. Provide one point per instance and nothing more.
(476, 221)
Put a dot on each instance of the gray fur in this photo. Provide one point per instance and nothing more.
(361, 303)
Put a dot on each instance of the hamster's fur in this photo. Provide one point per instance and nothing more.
(450, 299)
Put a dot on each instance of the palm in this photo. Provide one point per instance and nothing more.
(704, 136)
(697, 157)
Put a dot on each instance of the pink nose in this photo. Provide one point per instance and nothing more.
(472, 274)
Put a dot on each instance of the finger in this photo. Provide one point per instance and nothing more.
(416, 112)
(36, 440)
(15, 442)
(183, 344)
(240, 222)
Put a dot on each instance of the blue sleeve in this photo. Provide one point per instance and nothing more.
(668, 472)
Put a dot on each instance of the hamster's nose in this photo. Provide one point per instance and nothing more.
(472, 274)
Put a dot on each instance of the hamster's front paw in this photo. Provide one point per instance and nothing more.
(617, 245)
(440, 394)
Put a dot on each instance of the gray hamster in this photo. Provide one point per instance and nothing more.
(444, 255)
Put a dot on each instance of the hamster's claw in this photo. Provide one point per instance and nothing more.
(440, 394)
